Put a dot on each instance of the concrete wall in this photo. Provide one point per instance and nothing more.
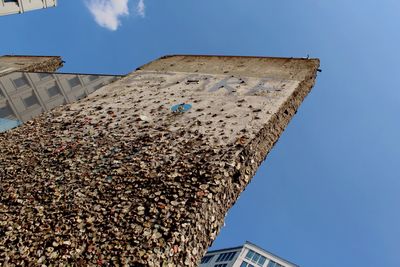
(10, 64)
(120, 178)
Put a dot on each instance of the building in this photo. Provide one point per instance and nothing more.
(248, 255)
(8, 7)
(26, 94)
(143, 171)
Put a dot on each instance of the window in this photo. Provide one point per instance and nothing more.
(246, 264)
(274, 264)
(255, 257)
(226, 256)
(21, 81)
(206, 259)
(93, 78)
(6, 112)
(250, 254)
(262, 260)
(43, 75)
(53, 91)
(74, 82)
(221, 265)
(30, 101)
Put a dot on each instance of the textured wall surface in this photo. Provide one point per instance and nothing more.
(29, 63)
(120, 178)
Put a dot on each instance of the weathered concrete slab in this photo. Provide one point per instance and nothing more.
(29, 63)
(144, 171)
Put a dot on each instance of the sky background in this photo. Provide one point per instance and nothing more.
(328, 194)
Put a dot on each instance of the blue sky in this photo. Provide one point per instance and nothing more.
(328, 194)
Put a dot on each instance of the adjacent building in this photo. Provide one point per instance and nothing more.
(8, 7)
(26, 94)
(248, 255)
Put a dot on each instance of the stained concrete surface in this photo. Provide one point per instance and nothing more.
(11, 63)
(119, 178)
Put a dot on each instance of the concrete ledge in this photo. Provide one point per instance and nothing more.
(12, 63)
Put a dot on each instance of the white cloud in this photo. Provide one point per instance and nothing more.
(107, 13)
(141, 8)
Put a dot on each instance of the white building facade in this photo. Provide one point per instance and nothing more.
(8, 7)
(25, 95)
(248, 255)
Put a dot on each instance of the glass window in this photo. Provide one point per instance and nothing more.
(226, 256)
(250, 254)
(74, 82)
(43, 75)
(21, 81)
(93, 78)
(221, 265)
(261, 260)
(231, 255)
(30, 101)
(53, 91)
(273, 264)
(245, 264)
(206, 259)
(6, 112)
(255, 257)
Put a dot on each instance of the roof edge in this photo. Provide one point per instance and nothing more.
(268, 252)
(317, 60)
(29, 56)
(233, 56)
(224, 249)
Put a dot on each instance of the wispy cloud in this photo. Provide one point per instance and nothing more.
(141, 8)
(107, 13)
